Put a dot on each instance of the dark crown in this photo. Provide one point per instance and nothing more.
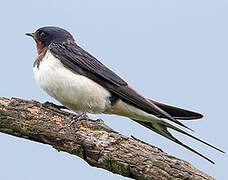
(49, 34)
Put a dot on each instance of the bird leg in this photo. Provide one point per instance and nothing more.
(81, 116)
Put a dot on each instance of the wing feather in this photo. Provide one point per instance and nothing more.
(83, 63)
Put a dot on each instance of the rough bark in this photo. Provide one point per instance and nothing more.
(91, 140)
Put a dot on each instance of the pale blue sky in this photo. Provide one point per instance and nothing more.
(182, 45)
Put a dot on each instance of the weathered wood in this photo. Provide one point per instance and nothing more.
(91, 140)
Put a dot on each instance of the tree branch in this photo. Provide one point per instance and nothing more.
(91, 140)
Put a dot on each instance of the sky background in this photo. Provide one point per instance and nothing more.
(173, 51)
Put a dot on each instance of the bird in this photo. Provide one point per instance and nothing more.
(83, 84)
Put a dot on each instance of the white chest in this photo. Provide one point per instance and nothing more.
(75, 91)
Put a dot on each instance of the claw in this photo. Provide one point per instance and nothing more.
(80, 117)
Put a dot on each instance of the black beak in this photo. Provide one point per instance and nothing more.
(30, 34)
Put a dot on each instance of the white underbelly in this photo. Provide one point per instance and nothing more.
(75, 91)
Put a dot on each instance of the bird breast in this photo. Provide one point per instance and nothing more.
(73, 90)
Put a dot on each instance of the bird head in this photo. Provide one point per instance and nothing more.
(47, 35)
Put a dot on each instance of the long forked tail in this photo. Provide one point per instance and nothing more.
(160, 127)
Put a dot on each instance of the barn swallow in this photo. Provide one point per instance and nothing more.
(83, 84)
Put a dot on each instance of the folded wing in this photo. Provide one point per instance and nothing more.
(80, 61)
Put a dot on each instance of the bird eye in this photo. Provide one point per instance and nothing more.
(42, 35)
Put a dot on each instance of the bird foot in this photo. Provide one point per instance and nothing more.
(79, 118)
